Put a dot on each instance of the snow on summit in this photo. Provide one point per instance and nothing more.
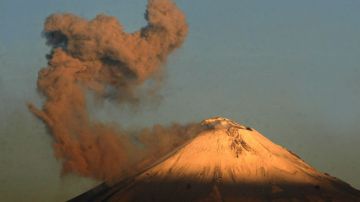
(232, 153)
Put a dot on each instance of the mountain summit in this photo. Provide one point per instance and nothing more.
(227, 162)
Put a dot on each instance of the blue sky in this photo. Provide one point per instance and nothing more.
(290, 69)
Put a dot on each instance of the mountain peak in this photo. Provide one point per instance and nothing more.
(221, 123)
(231, 162)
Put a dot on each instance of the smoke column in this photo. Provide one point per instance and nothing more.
(98, 56)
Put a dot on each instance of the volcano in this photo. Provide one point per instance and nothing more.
(227, 162)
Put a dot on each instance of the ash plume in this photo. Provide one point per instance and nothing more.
(98, 56)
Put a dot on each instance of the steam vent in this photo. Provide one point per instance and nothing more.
(227, 162)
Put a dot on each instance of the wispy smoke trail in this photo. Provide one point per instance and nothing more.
(98, 56)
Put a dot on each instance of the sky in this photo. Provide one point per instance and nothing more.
(289, 69)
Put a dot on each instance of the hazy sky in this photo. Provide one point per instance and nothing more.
(290, 69)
